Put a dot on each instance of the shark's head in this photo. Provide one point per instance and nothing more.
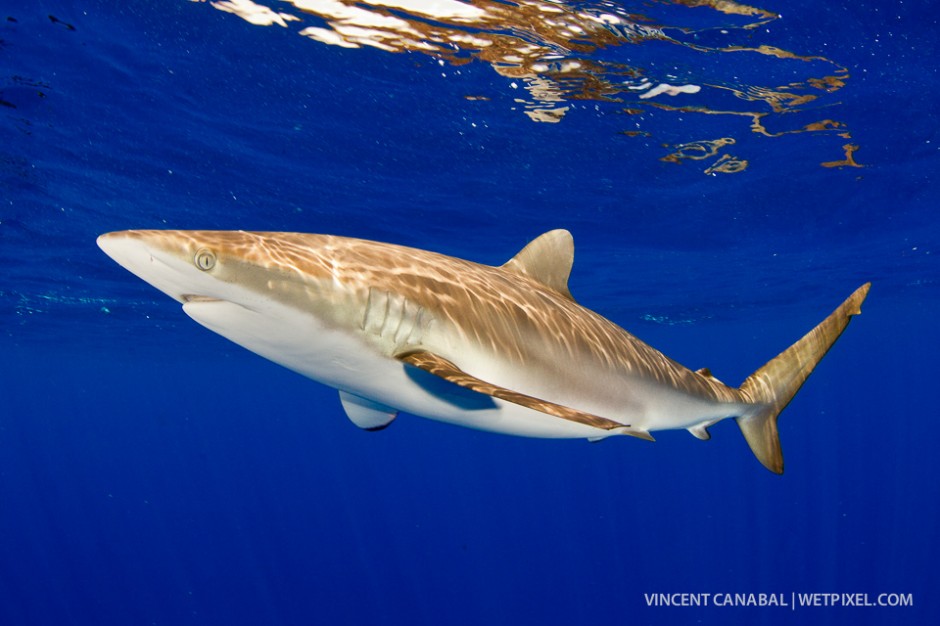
(264, 291)
(179, 264)
(231, 266)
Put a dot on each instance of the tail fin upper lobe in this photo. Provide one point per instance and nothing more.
(773, 386)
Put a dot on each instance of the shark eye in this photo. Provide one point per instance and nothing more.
(204, 259)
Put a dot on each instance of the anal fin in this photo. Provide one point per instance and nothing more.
(365, 413)
(700, 430)
(441, 367)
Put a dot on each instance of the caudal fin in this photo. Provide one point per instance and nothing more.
(775, 384)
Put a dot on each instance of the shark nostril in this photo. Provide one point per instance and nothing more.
(204, 259)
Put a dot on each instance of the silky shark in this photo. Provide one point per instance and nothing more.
(504, 349)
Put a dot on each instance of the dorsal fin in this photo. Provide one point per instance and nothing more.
(707, 373)
(547, 259)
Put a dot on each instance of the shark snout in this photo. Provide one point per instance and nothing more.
(128, 251)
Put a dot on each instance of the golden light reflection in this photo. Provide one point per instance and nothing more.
(727, 164)
(848, 161)
(702, 150)
(559, 53)
(697, 150)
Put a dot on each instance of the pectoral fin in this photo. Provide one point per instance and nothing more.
(441, 367)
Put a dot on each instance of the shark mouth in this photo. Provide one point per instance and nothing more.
(189, 297)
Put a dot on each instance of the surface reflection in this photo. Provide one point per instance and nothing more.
(656, 55)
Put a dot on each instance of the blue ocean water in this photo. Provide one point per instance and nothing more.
(729, 172)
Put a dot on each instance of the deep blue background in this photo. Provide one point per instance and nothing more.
(151, 473)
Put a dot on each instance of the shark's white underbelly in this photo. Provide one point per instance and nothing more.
(345, 360)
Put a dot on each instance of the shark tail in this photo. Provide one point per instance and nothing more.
(772, 387)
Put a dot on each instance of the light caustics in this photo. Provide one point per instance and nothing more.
(646, 60)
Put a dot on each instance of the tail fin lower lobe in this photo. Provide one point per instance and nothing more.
(773, 386)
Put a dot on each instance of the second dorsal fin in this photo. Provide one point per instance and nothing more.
(547, 259)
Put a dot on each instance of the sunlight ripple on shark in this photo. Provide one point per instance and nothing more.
(504, 349)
